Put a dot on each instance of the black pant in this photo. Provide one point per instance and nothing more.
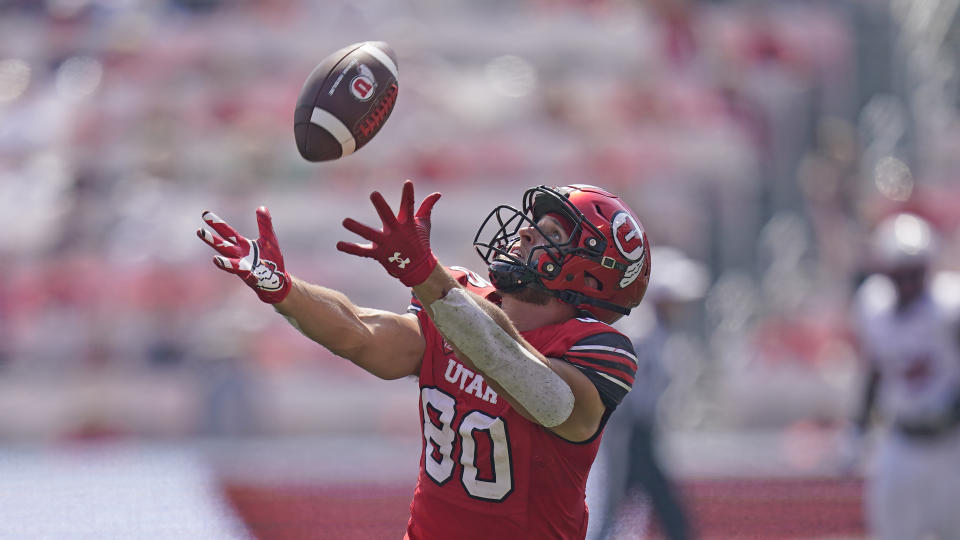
(644, 472)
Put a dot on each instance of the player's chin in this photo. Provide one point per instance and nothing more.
(530, 296)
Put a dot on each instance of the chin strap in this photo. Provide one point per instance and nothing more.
(577, 298)
(509, 277)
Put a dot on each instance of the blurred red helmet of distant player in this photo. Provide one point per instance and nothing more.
(606, 243)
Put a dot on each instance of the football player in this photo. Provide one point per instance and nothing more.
(631, 438)
(909, 332)
(517, 377)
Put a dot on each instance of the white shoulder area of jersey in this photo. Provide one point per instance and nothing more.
(876, 295)
(945, 289)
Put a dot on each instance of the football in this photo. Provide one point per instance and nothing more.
(345, 101)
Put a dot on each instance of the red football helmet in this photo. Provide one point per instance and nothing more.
(607, 242)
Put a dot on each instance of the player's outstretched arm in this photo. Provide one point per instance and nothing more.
(385, 344)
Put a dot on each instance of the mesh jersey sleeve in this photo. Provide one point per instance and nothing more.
(609, 361)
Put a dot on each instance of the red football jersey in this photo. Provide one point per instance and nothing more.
(485, 471)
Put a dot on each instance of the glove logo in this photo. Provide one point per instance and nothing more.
(263, 270)
(402, 263)
(267, 277)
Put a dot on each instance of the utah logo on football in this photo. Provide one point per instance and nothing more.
(363, 86)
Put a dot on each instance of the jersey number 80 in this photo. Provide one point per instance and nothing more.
(438, 441)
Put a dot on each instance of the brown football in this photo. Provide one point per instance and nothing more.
(345, 101)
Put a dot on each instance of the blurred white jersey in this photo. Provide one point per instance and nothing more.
(917, 467)
(915, 350)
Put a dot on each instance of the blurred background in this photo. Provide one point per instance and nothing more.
(144, 394)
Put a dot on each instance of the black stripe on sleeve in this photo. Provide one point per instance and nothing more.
(608, 339)
(611, 394)
(626, 367)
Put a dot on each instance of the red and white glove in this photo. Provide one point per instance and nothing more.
(259, 262)
(403, 246)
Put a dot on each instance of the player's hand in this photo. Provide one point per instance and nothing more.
(258, 262)
(403, 245)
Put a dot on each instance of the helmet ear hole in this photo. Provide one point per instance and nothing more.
(592, 282)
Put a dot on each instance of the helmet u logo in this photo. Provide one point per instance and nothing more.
(628, 236)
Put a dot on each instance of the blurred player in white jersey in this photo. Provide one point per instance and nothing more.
(631, 440)
(908, 322)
